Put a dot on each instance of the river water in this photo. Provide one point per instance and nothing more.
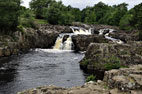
(40, 67)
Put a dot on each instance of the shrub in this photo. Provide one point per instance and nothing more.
(91, 78)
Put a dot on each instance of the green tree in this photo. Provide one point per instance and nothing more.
(9, 13)
(125, 21)
(38, 6)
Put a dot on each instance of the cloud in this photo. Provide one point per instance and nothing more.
(83, 3)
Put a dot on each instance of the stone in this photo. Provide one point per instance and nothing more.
(81, 42)
(105, 56)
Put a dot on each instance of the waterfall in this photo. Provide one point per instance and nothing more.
(58, 43)
(102, 31)
(81, 31)
(66, 45)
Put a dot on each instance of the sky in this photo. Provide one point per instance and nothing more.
(83, 3)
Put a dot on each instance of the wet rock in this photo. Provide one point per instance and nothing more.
(65, 38)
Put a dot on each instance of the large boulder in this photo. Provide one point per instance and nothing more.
(106, 56)
(81, 42)
(125, 79)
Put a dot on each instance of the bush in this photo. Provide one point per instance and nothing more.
(91, 78)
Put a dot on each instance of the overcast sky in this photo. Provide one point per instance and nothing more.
(83, 3)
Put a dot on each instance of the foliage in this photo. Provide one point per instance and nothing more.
(27, 18)
(85, 62)
(55, 12)
(113, 63)
(91, 78)
(118, 15)
(9, 13)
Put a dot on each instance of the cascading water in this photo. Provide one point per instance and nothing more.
(68, 44)
(63, 45)
(81, 31)
(102, 31)
(58, 43)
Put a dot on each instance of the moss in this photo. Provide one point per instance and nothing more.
(91, 78)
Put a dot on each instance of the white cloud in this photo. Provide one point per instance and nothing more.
(83, 3)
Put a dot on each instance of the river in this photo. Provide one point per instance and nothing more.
(40, 67)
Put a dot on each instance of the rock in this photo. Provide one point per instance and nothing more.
(125, 36)
(81, 42)
(126, 79)
(65, 38)
(106, 56)
(30, 38)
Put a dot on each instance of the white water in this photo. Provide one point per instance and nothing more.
(68, 44)
(81, 31)
(101, 31)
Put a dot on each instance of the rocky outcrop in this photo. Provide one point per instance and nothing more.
(58, 28)
(81, 42)
(125, 35)
(106, 56)
(23, 41)
(125, 79)
(121, 81)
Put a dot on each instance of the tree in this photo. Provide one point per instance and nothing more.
(53, 13)
(9, 13)
(38, 6)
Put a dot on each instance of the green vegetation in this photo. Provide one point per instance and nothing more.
(55, 12)
(113, 63)
(91, 78)
(26, 18)
(85, 62)
(9, 13)
(118, 15)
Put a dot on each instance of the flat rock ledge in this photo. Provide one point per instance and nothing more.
(116, 81)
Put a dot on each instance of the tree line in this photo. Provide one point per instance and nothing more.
(55, 12)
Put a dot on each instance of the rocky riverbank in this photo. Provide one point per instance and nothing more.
(101, 58)
(27, 39)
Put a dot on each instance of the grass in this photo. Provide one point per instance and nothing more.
(91, 78)
(40, 21)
